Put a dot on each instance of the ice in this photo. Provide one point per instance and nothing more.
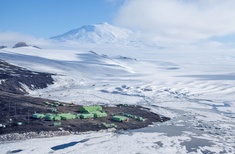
(194, 88)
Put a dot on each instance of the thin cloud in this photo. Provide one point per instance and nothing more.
(178, 20)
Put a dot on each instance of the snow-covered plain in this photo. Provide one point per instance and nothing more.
(195, 88)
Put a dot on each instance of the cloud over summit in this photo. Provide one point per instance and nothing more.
(178, 20)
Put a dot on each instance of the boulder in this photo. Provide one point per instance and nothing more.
(20, 44)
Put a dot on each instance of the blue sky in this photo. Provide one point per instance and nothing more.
(46, 18)
(160, 21)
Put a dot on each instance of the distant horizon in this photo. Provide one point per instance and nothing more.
(178, 22)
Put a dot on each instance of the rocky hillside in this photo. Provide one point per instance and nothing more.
(14, 79)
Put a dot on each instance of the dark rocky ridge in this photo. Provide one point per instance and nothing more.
(12, 77)
(20, 44)
(23, 44)
(3, 46)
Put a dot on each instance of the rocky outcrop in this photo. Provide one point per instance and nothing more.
(20, 44)
(12, 79)
(3, 46)
(36, 47)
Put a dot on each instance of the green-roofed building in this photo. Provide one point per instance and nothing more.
(38, 116)
(87, 116)
(109, 125)
(68, 116)
(49, 117)
(99, 114)
(90, 109)
(57, 124)
(120, 118)
(57, 118)
(79, 116)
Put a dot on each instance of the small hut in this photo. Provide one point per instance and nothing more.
(98, 114)
(67, 116)
(49, 117)
(90, 109)
(120, 118)
(87, 116)
(38, 116)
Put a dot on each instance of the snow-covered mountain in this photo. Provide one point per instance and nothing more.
(97, 33)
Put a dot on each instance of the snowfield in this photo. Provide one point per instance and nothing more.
(194, 88)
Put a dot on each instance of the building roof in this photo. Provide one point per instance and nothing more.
(90, 108)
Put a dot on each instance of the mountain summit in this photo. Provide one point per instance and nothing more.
(97, 33)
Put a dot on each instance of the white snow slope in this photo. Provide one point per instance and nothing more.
(195, 88)
(97, 33)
